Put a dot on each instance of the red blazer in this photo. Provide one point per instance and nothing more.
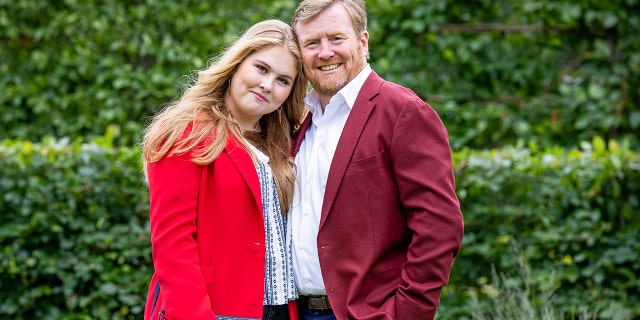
(207, 237)
(391, 224)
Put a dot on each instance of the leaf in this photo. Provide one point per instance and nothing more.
(596, 91)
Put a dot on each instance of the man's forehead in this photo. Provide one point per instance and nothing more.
(332, 20)
(323, 31)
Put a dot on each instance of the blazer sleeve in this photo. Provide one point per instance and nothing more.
(422, 164)
(174, 183)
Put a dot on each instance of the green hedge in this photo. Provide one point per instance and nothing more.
(74, 236)
(563, 223)
(75, 243)
(551, 71)
(554, 71)
(74, 68)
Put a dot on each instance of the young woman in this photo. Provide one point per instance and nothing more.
(221, 181)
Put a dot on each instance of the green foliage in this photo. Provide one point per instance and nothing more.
(79, 79)
(74, 237)
(74, 68)
(554, 72)
(574, 213)
(75, 242)
(512, 298)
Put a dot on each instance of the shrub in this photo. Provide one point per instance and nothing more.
(74, 237)
(551, 71)
(575, 213)
(75, 241)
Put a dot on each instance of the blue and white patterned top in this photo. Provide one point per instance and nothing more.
(279, 285)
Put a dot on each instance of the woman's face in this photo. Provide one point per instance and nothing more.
(261, 84)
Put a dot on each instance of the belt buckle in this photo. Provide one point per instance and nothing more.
(318, 303)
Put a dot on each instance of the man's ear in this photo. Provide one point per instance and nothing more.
(364, 40)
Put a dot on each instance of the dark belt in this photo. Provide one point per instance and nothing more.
(315, 303)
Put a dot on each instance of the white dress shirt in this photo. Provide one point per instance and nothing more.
(313, 162)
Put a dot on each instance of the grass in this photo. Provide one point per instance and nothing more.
(513, 298)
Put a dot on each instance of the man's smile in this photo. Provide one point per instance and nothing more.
(330, 67)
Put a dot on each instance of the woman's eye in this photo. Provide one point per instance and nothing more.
(283, 81)
(261, 68)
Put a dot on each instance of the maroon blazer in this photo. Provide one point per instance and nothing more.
(391, 224)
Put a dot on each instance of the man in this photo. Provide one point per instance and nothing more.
(376, 222)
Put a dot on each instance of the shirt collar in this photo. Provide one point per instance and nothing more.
(349, 92)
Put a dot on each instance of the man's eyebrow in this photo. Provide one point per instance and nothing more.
(338, 33)
(307, 40)
(341, 34)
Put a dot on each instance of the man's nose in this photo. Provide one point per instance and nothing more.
(326, 51)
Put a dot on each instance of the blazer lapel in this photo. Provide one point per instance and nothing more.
(298, 136)
(358, 116)
(242, 161)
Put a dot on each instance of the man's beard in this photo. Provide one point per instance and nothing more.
(329, 86)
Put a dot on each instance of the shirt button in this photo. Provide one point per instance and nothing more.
(308, 179)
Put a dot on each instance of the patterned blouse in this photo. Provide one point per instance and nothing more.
(279, 285)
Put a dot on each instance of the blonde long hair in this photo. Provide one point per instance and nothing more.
(201, 112)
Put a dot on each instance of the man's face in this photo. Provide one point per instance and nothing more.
(333, 54)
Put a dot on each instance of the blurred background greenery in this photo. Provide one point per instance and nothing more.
(540, 98)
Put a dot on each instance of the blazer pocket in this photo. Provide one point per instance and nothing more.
(365, 164)
(381, 286)
(208, 273)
